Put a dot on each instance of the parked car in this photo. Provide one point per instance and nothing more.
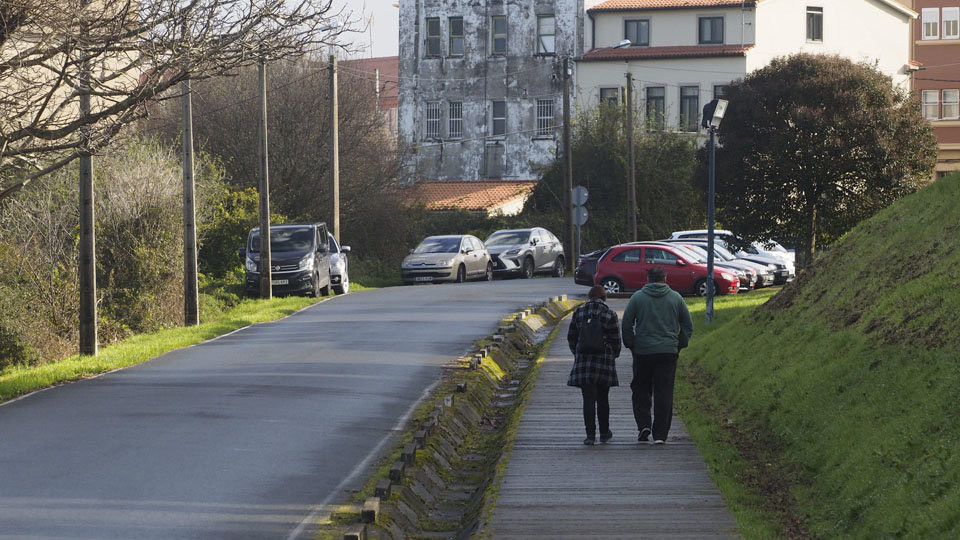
(339, 275)
(447, 258)
(766, 252)
(587, 266)
(766, 273)
(299, 256)
(624, 268)
(525, 252)
(747, 276)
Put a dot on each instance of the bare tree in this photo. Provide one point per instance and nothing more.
(134, 51)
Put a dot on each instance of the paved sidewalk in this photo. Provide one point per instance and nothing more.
(556, 487)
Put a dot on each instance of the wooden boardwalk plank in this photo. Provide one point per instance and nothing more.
(556, 487)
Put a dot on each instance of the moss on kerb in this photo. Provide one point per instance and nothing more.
(464, 452)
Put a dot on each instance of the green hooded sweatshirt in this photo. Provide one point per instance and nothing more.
(656, 321)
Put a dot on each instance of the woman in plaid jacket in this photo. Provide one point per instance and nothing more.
(594, 372)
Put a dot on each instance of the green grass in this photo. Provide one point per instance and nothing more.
(16, 380)
(849, 381)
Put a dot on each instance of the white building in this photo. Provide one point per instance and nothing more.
(684, 52)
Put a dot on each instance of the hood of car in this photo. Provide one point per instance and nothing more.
(428, 259)
(282, 257)
(497, 250)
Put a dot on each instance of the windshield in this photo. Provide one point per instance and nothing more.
(691, 253)
(438, 244)
(284, 239)
(508, 238)
(723, 252)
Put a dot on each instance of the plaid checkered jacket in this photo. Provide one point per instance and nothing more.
(595, 368)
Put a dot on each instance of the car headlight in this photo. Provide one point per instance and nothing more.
(306, 263)
(446, 262)
(251, 265)
(728, 277)
(511, 252)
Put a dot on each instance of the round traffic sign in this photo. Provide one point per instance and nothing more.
(579, 195)
(579, 215)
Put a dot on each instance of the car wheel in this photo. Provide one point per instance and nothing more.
(526, 272)
(489, 275)
(344, 286)
(558, 267)
(461, 274)
(700, 287)
(314, 285)
(612, 285)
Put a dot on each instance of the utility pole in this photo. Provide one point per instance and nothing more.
(631, 166)
(191, 310)
(334, 151)
(266, 289)
(568, 172)
(87, 245)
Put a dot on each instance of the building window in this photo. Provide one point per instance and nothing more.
(456, 36)
(433, 120)
(455, 120)
(931, 104)
(637, 31)
(610, 96)
(499, 24)
(546, 34)
(499, 115)
(689, 108)
(951, 23)
(931, 23)
(432, 46)
(544, 117)
(814, 23)
(711, 30)
(656, 108)
(951, 104)
(719, 91)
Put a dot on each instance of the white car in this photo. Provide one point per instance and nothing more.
(339, 278)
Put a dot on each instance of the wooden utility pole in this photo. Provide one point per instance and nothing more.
(191, 310)
(631, 165)
(568, 173)
(334, 151)
(87, 247)
(266, 289)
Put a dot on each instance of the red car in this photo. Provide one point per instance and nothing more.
(625, 267)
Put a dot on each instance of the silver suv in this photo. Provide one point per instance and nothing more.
(525, 252)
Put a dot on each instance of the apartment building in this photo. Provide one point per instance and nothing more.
(481, 82)
(936, 52)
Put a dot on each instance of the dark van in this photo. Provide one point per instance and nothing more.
(299, 258)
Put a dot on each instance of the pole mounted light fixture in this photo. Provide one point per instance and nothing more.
(712, 116)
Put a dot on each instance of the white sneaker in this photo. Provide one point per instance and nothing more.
(659, 441)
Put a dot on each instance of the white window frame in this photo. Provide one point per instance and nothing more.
(689, 119)
(498, 36)
(432, 115)
(544, 117)
(930, 27)
(951, 23)
(549, 46)
(455, 120)
(713, 39)
(456, 40)
(951, 104)
(814, 15)
(931, 104)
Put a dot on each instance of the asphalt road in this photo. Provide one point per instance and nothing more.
(247, 436)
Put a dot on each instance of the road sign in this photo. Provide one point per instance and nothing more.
(579, 195)
(579, 215)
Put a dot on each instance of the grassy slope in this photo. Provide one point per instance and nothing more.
(856, 371)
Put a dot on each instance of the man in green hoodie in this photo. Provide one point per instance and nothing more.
(656, 325)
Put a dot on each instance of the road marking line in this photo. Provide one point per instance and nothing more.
(317, 513)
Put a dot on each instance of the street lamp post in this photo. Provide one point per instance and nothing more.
(712, 115)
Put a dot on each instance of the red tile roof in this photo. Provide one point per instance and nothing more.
(474, 195)
(632, 5)
(646, 53)
(365, 68)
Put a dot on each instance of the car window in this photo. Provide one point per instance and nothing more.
(438, 244)
(473, 243)
(659, 256)
(628, 255)
(334, 247)
(508, 238)
(535, 235)
(285, 239)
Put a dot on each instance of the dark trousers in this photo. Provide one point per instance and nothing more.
(653, 377)
(596, 405)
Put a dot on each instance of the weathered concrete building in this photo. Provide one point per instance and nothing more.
(481, 84)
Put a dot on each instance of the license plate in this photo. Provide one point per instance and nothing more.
(279, 281)
(423, 278)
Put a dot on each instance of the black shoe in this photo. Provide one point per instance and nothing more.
(589, 441)
(604, 437)
(644, 435)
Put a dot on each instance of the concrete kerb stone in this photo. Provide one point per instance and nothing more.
(371, 510)
(408, 499)
(356, 532)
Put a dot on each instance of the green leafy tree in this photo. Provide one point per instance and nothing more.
(668, 198)
(813, 144)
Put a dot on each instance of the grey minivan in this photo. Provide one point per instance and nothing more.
(299, 259)
(526, 252)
